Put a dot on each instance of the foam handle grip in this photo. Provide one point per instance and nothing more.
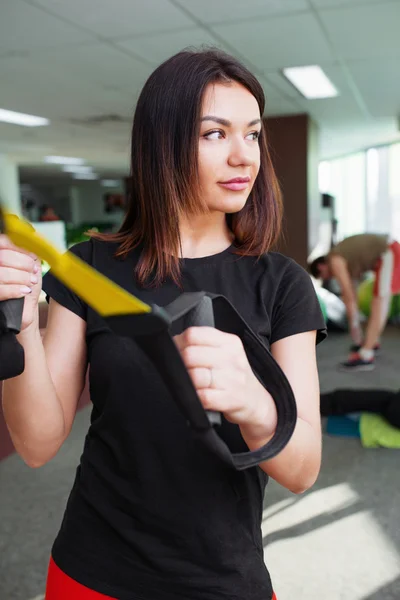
(12, 356)
(12, 360)
(202, 315)
(11, 315)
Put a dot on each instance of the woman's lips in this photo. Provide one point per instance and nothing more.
(236, 185)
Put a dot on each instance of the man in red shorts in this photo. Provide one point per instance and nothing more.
(347, 262)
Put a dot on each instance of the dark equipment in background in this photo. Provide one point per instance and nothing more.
(328, 201)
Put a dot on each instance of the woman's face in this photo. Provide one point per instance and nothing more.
(229, 151)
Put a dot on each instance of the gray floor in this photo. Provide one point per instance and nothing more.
(339, 541)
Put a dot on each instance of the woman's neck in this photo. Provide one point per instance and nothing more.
(204, 236)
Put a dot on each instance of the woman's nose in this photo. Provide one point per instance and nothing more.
(240, 154)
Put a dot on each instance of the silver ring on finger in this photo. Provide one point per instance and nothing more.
(210, 385)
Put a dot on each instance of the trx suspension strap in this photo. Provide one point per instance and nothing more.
(150, 326)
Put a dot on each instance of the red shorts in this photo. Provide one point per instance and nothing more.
(61, 587)
(387, 272)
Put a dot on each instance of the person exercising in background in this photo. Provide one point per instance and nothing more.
(347, 262)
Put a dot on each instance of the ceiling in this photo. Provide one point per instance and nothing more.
(72, 60)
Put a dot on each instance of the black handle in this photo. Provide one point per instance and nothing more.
(11, 314)
(12, 360)
(202, 315)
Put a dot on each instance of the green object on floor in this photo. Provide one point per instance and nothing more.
(376, 432)
(365, 293)
(323, 307)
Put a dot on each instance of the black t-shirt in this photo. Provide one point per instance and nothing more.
(153, 515)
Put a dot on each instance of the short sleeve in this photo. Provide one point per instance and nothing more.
(55, 289)
(297, 308)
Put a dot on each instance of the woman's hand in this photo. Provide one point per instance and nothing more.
(224, 381)
(20, 277)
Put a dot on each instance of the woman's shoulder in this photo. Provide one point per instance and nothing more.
(282, 266)
(283, 275)
(94, 250)
(81, 249)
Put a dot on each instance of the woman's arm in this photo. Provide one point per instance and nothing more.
(40, 405)
(225, 382)
(297, 466)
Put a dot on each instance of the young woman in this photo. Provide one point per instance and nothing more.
(151, 516)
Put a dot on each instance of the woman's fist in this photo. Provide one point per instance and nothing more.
(20, 277)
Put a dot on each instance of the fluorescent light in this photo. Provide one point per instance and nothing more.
(63, 160)
(8, 116)
(77, 169)
(84, 176)
(311, 82)
(110, 183)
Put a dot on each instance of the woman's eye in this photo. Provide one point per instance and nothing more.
(254, 135)
(217, 134)
(214, 135)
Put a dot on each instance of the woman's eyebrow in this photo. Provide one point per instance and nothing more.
(225, 122)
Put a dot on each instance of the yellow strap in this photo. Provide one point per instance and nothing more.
(99, 292)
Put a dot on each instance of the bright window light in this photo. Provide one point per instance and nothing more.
(311, 82)
(63, 160)
(87, 176)
(324, 177)
(373, 175)
(8, 116)
(77, 169)
(110, 183)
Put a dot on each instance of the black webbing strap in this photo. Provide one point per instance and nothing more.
(152, 332)
(12, 361)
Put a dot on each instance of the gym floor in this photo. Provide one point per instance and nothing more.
(339, 541)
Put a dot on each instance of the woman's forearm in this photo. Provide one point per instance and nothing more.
(32, 411)
(297, 466)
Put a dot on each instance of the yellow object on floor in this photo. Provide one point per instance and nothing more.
(376, 432)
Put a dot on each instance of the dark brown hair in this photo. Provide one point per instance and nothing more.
(314, 266)
(164, 167)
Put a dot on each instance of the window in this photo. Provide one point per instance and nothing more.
(394, 189)
(366, 187)
(344, 178)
